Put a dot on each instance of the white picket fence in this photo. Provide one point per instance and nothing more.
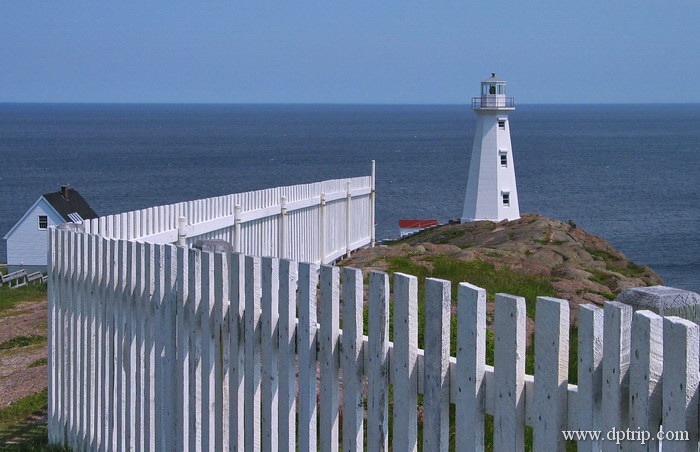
(159, 347)
(317, 222)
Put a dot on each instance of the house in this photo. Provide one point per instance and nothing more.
(408, 227)
(27, 241)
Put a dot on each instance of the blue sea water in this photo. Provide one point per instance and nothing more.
(628, 173)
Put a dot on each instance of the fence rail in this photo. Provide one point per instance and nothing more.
(158, 347)
(316, 222)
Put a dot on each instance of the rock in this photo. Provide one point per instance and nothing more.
(664, 300)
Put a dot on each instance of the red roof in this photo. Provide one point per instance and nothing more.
(417, 223)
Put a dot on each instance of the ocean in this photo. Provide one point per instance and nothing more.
(628, 173)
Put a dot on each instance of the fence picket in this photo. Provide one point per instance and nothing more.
(306, 349)
(287, 351)
(551, 373)
(616, 359)
(352, 361)
(471, 359)
(509, 370)
(270, 357)
(590, 354)
(328, 357)
(206, 314)
(680, 382)
(377, 371)
(236, 364)
(436, 393)
(646, 368)
(220, 350)
(252, 354)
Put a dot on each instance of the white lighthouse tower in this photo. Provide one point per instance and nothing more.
(491, 191)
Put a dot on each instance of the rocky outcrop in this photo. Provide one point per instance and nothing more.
(582, 267)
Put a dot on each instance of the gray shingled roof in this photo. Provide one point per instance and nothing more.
(67, 208)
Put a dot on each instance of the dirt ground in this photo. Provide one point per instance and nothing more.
(17, 379)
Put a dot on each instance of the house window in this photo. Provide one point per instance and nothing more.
(43, 222)
(502, 124)
(504, 159)
(506, 199)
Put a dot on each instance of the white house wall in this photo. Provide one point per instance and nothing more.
(27, 245)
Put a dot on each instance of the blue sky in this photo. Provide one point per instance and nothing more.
(357, 51)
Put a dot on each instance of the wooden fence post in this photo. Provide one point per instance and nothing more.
(348, 222)
(181, 234)
(237, 228)
(372, 199)
(322, 230)
(283, 228)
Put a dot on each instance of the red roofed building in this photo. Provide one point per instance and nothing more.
(412, 226)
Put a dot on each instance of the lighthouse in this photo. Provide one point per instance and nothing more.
(491, 190)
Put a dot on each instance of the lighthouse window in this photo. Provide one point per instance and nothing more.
(504, 159)
(506, 199)
(502, 124)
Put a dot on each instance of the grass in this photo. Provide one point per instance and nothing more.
(20, 434)
(38, 362)
(10, 297)
(448, 236)
(611, 264)
(22, 341)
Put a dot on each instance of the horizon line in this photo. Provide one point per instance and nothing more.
(468, 104)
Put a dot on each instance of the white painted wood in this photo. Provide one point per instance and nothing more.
(509, 372)
(236, 368)
(646, 368)
(269, 351)
(220, 349)
(207, 315)
(404, 362)
(352, 360)
(616, 359)
(681, 342)
(306, 349)
(377, 366)
(551, 373)
(590, 371)
(329, 357)
(182, 315)
(322, 230)
(436, 399)
(287, 353)
(252, 354)
(471, 359)
(372, 201)
(192, 329)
